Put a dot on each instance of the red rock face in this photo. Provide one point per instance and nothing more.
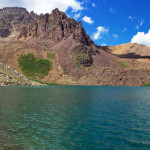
(55, 26)
(5, 25)
(58, 26)
(19, 20)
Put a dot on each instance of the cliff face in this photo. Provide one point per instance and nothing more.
(5, 26)
(58, 26)
(55, 26)
(19, 20)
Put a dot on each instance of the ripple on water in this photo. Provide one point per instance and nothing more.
(74, 118)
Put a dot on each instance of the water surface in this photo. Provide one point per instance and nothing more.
(74, 118)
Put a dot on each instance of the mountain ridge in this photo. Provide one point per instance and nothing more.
(42, 25)
(78, 60)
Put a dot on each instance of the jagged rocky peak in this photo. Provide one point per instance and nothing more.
(17, 15)
(34, 15)
(55, 26)
(14, 10)
(59, 14)
(17, 19)
(70, 26)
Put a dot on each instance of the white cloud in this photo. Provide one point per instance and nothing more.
(115, 35)
(103, 44)
(141, 23)
(142, 38)
(43, 6)
(124, 29)
(132, 18)
(100, 30)
(137, 27)
(76, 16)
(93, 4)
(129, 17)
(111, 10)
(87, 20)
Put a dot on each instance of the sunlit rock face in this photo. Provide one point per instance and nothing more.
(55, 26)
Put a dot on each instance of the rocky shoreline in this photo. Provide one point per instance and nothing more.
(9, 77)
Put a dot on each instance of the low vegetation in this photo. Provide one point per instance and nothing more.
(146, 84)
(50, 55)
(122, 64)
(34, 67)
(43, 82)
(77, 63)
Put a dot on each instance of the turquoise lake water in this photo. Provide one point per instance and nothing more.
(74, 118)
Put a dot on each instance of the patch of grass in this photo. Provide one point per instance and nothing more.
(34, 67)
(146, 84)
(50, 55)
(122, 64)
(53, 83)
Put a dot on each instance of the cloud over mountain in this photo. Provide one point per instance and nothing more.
(76, 16)
(142, 38)
(43, 6)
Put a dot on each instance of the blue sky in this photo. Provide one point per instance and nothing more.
(122, 18)
(108, 22)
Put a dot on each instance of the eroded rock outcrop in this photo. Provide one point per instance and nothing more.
(82, 55)
(55, 26)
(19, 20)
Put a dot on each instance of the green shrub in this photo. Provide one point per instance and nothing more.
(50, 55)
(122, 64)
(78, 63)
(33, 66)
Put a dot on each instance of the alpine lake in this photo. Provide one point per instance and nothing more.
(74, 118)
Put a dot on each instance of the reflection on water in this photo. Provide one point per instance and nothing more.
(74, 118)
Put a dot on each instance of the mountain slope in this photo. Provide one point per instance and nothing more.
(77, 60)
(130, 50)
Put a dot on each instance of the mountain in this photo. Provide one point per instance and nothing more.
(77, 59)
(129, 50)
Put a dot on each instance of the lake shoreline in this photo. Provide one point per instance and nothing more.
(42, 85)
